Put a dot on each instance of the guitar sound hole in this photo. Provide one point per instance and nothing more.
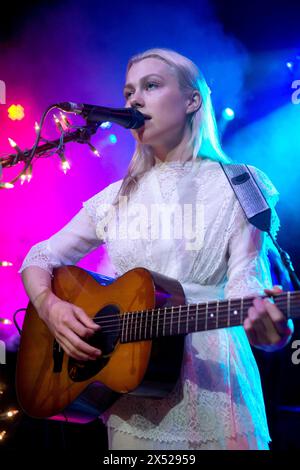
(105, 339)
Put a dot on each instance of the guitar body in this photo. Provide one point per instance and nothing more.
(49, 382)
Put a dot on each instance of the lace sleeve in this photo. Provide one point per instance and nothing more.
(68, 246)
(78, 238)
(248, 270)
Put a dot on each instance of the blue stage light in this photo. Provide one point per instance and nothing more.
(228, 114)
(113, 139)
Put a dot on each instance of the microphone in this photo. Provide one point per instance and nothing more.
(130, 118)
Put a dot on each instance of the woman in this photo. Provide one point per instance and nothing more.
(217, 404)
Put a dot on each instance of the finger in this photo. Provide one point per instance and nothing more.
(71, 351)
(274, 291)
(266, 332)
(277, 317)
(85, 319)
(259, 305)
(81, 346)
(71, 323)
(250, 331)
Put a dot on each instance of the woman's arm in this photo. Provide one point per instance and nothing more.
(249, 274)
(68, 323)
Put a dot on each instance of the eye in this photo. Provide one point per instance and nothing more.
(150, 85)
(127, 94)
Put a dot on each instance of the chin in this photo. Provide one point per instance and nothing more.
(144, 137)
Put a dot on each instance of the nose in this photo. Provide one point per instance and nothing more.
(136, 101)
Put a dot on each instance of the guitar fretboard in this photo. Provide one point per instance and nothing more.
(184, 319)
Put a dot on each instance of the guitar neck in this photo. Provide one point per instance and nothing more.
(184, 319)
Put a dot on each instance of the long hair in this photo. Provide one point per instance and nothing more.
(204, 140)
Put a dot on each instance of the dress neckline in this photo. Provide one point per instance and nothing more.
(159, 164)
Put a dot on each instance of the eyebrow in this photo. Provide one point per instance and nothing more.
(129, 85)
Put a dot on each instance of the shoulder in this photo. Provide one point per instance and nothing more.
(214, 169)
(104, 198)
(105, 195)
(211, 170)
(267, 187)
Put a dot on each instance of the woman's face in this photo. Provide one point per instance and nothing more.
(152, 87)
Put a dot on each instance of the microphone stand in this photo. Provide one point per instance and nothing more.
(287, 262)
(81, 135)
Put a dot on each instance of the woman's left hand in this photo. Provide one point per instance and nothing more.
(266, 326)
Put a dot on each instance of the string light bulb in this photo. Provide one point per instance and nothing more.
(65, 165)
(14, 144)
(58, 124)
(27, 175)
(12, 413)
(64, 121)
(5, 263)
(6, 185)
(93, 149)
(5, 321)
(23, 178)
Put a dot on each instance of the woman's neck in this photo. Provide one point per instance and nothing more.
(182, 152)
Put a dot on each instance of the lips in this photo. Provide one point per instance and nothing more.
(146, 116)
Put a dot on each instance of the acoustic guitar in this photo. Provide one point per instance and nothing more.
(144, 319)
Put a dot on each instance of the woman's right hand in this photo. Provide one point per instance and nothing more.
(69, 324)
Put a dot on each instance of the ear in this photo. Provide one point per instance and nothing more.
(194, 102)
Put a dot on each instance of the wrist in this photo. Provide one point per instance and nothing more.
(284, 341)
(43, 299)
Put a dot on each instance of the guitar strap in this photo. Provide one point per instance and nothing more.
(249, 195)
(258, 213)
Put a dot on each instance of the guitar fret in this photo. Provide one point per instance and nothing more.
(151, 325)
(146, 321)
(122, 329)
(135, 326)
(179, 315)
(171, 323)
(206, 311)
(141, 320)
(187, 319)
(288, 304)
(127, 319)
(157, 321)
(196, 326)
(164, 320)
(211, 319)
(217, 314)
(235, 315)
(131, 326)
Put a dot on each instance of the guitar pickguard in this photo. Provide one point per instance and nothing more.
(83, 370)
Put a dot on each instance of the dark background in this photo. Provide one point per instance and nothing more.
(262, 35)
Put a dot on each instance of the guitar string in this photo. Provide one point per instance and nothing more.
(202, 308)
(167, 321)
(130, 327)
(223, 304)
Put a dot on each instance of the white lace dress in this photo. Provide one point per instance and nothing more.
(219, 398)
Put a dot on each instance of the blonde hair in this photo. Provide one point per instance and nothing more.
(204, 134)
